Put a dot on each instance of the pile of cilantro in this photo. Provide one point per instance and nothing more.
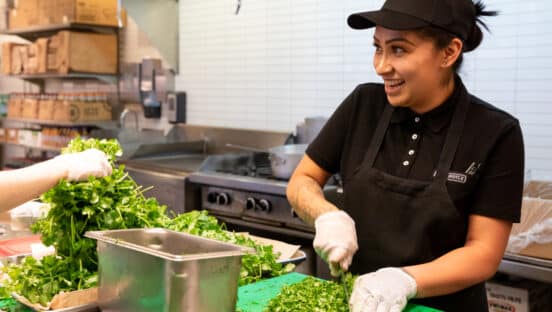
(312, 295)
(111, 202)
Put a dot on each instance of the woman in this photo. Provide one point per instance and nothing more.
(21, 185)
(432, 175)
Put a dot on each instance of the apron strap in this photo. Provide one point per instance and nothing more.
(454, 134)
(452, 139)
(379, 135)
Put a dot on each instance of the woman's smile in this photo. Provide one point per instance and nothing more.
(393, 86)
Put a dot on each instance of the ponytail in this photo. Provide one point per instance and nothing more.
(476, 36)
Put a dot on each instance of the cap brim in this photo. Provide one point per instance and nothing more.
(386, 18)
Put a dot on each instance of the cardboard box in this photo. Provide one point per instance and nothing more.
(6, 57)
(41, 54)
(76, 111)
(30, 108)
(30, 60)
(7, 50)
(506, 293)
(18, 58)
(533, 235)
(24, 15)
(46, 109)
(29, 13)
(47, 12)
(538, 189)
(502, 298)
(17, 19)
(94, 12)
(14, 107)
(83, 53)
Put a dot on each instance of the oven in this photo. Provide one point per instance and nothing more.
(240, 191)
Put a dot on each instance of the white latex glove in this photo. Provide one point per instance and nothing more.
(386, 290)
(79, 166)
(39, 250)
(335, 240)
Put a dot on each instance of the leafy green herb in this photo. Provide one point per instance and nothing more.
(112, 202)
(312, 295)
(254, 267)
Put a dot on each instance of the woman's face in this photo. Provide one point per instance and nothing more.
(411, 68)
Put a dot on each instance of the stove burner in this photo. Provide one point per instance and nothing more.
(253, 164)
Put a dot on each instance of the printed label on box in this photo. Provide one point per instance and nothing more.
(507, 299)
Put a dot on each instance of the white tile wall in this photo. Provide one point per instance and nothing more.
(278, 61)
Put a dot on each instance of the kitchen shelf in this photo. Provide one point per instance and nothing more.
(38, 78)
(107, 124)
(31, 33)
(41, 148)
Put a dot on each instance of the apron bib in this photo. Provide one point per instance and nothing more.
(402, 222)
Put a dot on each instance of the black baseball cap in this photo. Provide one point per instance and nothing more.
(454, 16)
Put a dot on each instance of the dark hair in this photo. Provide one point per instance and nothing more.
(442, 38)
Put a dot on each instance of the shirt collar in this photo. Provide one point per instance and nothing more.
(437, 118)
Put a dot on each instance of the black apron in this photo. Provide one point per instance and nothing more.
(403, 222)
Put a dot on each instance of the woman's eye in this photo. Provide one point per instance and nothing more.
(398, 50)
(377, 48)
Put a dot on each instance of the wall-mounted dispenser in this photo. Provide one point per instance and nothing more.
(176, 107)
(149, 69)
(146, 83)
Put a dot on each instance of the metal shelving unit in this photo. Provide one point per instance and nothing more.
(35, 32)
(99, 123)
(31, 33)
(36, 147)
(39, 78)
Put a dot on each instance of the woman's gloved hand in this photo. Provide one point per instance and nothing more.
(386, 290)
(79, 166)
(335, 240)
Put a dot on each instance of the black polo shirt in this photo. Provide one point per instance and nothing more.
(486, 176)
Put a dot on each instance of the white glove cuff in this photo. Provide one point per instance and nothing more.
(413, 286)
(339, 214)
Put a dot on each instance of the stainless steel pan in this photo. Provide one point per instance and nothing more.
(283, 158)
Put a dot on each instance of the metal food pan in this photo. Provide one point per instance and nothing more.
(297, 258)
(90, 307)
(164, 271)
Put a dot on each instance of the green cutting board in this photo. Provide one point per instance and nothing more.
(254, 297)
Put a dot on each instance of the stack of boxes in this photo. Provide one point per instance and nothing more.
(31, 13)
(66, 51)
(63, 53)
(62, 107)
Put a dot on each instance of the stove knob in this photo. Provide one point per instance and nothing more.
(212, 197)
(223, 199)
(264, 205)
(250, 203)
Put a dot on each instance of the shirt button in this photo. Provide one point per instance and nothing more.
(411, 152)
(416, 119)
(406, 163)
(414, 137)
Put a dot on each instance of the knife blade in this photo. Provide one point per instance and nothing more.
(343, 281)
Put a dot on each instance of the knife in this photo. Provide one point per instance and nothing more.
(343, 281)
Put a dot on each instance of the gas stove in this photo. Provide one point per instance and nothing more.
(241, 188)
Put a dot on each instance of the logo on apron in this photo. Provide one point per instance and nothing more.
(457, 177)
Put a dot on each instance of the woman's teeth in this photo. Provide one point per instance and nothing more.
(394, 83)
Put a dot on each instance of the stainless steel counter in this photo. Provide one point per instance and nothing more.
(527, 267)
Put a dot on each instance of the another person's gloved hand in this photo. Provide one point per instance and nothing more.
(335, 240)
(79, 166)
(386, 290)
